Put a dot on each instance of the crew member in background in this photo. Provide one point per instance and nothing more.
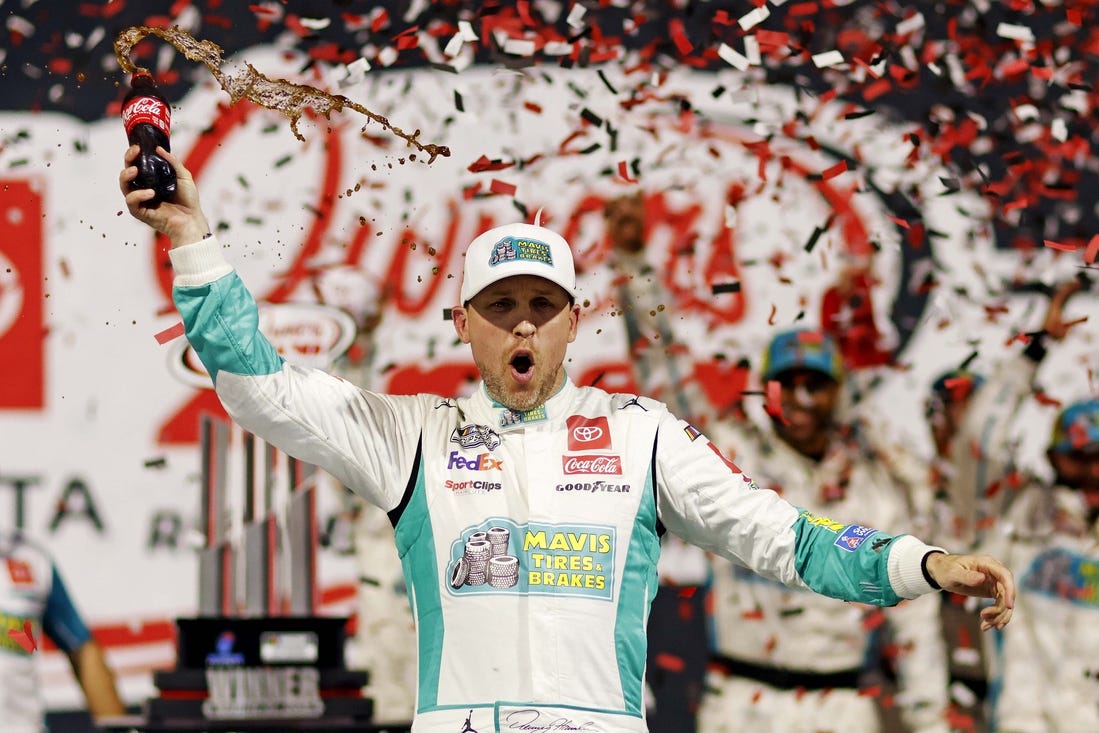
(1045, 668)
(785, 661)
(663, 370)
(971, 417)
(34, 598)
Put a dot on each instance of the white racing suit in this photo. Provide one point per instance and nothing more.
(1045, 663)
(529, 540)
(789, 661)
(977, 478)
(31, 592)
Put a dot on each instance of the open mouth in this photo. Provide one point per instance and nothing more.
(522, 363)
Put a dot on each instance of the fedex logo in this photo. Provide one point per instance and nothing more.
(588, 433)
(483, 462)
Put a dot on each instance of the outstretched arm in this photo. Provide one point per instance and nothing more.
(96, 680)
(976, 575)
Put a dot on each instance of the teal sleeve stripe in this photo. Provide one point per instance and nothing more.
(416, 546)
(639, 586)
(221, 321)
(844, 561)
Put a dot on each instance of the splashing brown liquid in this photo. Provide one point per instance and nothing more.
(277, 94)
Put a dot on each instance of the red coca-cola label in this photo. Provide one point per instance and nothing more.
(593, 464)
(147, 109)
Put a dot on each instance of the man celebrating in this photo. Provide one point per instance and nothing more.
(527, 515)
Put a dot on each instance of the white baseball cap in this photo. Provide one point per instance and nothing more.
(517, 249)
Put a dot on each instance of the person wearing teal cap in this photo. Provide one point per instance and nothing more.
(1045, 669)
(790, 662)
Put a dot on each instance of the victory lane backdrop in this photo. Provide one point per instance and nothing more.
(758, 180)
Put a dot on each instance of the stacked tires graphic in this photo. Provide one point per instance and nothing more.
(485, 561)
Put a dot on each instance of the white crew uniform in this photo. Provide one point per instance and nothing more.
(790, 661)
(529, 540)
(31, 592)
(1044, 675)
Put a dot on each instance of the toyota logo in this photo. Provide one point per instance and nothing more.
(587, 433)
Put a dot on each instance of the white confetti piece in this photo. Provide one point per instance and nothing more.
(316, 24)
(828, 58)
(387, 56)
(1059, 130)
(519, 47)
(751, 50)
(911, 24)
(962, 694)
(454, 46)
(576, 16)
(466, 30)
(732, 57)
(753, 18)
(557, 48)
(1026, 112)
(1015, 32)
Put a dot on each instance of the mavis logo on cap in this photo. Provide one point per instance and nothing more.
(516, 249)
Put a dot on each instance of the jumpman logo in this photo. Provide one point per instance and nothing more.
(469, 724)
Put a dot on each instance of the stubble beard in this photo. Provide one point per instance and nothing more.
(520, 401)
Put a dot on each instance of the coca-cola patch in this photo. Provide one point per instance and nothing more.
(149, 110)
(591, 464)
(588, 433)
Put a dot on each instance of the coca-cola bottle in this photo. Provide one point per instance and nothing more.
(148, 121)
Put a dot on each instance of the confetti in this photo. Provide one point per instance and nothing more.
(730, 56)
(828, 59)
(501, 187)
(24, 638)
(169, 334)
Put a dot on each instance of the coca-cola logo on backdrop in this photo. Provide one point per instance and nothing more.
(755, 214)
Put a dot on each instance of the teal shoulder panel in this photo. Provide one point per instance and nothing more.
(221, 321)
(416, 546)
(639, 584)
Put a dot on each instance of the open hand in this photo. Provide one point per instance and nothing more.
(977, 575)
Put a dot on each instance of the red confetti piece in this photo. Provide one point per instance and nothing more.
(754, 615)
(381, 21)
(1092, 252)
(170, 334)
(1057, 245)
(679, 37)
(834, 171)
(624, 172)
(773, 401)
(670, 662)
(1074, 16)
(498, 186)
(773, 39)
(900, 222)
(483, 164)
(24, 638)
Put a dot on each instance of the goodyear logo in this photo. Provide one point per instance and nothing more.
(517, 249)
